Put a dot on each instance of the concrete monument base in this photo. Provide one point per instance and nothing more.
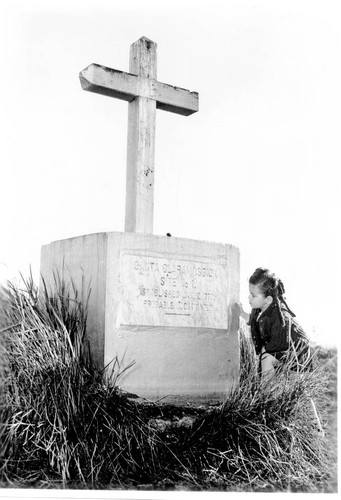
(163, 303)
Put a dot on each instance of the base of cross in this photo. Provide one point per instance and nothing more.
(159, 306)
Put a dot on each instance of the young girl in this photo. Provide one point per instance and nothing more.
(274, 330)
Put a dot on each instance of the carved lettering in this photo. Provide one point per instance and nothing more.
(169, 292)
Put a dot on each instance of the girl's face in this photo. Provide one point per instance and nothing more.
(257, 299)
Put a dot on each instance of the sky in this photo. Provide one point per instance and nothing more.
(256, 167)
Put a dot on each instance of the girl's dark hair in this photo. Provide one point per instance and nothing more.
(269, 284)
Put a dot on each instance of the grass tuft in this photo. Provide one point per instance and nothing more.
(65, 425)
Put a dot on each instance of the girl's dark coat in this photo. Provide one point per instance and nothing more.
(269, 332)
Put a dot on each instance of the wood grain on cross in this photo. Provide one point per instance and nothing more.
(144, 93)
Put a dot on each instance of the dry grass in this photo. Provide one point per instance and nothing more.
(64, 426)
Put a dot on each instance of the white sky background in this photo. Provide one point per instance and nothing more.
(257, 166)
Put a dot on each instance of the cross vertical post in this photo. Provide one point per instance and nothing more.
(139, 213)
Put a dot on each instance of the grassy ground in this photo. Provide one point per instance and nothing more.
(64, 427)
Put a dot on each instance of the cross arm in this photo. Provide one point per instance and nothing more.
(126, 86)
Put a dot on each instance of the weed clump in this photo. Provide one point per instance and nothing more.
(61, 421)
(64, 425)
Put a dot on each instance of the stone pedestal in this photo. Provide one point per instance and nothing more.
(164, 303)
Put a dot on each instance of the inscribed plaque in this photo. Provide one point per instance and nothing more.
(172, 292)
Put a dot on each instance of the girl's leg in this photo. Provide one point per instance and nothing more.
(268, 363)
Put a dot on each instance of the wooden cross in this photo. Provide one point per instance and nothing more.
(144, 93)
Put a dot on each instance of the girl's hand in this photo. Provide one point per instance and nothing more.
(241, 311)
